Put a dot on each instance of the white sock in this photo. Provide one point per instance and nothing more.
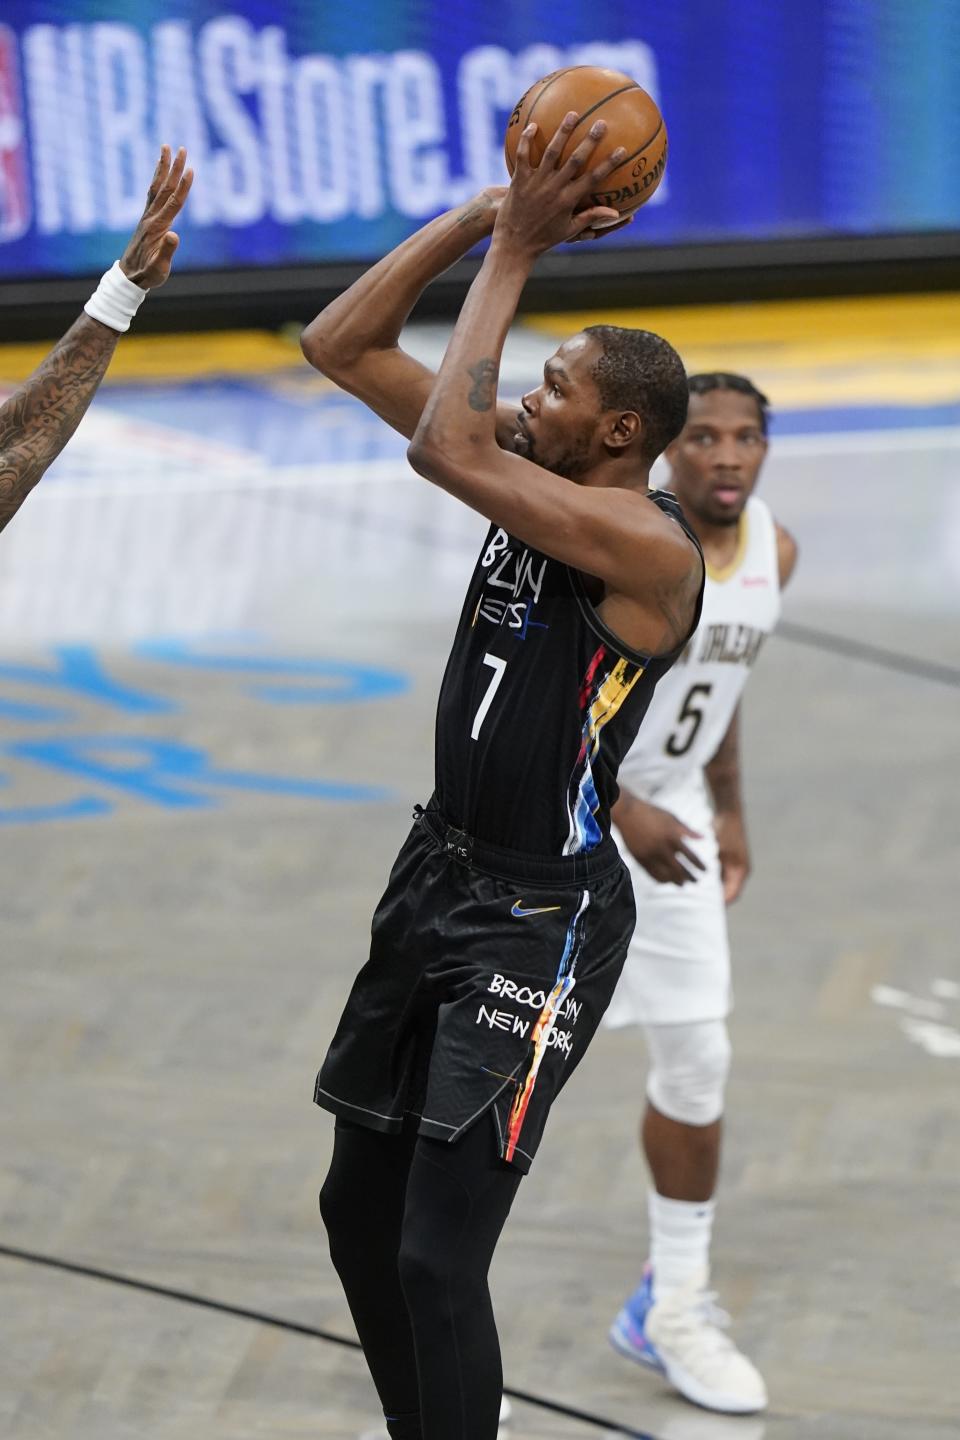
(680, 1233)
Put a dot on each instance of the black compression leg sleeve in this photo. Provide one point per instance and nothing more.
(362, 1204)
(458, 1197)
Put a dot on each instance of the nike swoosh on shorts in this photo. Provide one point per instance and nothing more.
(519, 911)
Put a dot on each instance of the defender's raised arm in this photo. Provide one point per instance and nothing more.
(41, 415)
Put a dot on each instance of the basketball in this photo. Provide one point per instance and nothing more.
(633, 121)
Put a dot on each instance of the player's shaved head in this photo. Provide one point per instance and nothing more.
(642, 372)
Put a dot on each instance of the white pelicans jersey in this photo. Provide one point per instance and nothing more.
(694, 702)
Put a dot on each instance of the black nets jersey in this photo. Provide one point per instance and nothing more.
(539, 703)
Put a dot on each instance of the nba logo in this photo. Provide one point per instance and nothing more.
(14, 186)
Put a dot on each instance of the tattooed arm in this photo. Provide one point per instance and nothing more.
(37, 421)
(39, 418)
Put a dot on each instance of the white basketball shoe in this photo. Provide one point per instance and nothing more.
(683, 1336)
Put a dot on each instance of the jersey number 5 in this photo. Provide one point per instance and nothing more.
(680, 741)
(497, 666)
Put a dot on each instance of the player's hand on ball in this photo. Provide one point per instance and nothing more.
(594, 234)
(657, 840)
(147, 258)
(549, 203)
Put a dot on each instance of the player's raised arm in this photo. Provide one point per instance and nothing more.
(354, 341)
(601, 526)
(41, 415)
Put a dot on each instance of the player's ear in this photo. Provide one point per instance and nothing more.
(625, 430)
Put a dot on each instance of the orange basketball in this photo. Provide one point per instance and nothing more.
(633, 121)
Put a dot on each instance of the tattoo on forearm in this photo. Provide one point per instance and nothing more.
(40, 417)
(484, 377)
(473, 212)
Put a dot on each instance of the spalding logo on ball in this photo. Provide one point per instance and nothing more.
(633, 121)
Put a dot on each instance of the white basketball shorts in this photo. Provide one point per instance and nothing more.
(678, 966)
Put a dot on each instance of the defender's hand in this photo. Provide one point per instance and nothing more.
(147, 258)
(657, 841)
(549, 203)
(734, 853)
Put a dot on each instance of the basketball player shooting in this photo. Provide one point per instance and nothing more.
(682, 831)
(497, 944)
(39, 418)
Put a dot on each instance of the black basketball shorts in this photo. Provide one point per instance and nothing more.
(488, 975)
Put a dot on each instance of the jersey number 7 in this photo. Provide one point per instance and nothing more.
(497, 666)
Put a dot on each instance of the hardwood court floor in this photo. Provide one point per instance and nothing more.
(170, 983)
(172, 972)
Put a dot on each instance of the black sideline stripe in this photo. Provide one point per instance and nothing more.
(871, 654)
(295, 1327)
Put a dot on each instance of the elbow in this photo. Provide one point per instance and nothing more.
(315, 344)
(424, 456)
(440, 450)
(436, 457)
(326, 348)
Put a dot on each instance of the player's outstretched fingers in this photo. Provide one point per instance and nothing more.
(522, 160)
(598, 219)
(146, 259)
(551, 156)
(606, 167)
(579, 158)
(172, 191)
(594, 231)
(159, 175)
(174, 201)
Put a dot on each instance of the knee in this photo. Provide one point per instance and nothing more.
(422, 1266)
(330, 1208)
(688, 1071)
(338, 1214)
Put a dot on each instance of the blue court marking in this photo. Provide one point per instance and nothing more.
(39, 714)
(165, 772)
(159, 771)
(78, 671)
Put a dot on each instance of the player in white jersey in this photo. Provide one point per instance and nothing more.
(682, 834)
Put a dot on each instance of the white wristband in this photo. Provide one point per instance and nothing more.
(116, 299)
